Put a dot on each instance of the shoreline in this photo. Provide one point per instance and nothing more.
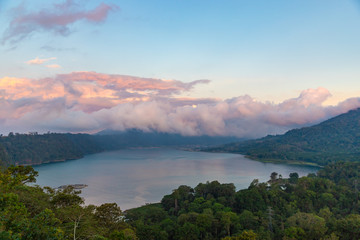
(281, 161)
(47, 162)
(266, 160)
(270, 160)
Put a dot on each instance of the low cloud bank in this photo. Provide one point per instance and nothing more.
(90, 102)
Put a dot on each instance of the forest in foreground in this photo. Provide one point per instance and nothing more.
(319, 206)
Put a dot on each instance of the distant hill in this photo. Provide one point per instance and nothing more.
(31, 149)
(335, 139)
(112, 140)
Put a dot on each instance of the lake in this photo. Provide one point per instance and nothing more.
(133, 177)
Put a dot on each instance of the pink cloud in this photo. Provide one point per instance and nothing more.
(91, 91)
(90, 101)
(53, 66)
(143, 86)
(56, 19)
(38, 61)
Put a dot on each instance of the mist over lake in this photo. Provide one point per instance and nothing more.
(133, 177)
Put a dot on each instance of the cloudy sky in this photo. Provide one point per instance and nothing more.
(235, 67)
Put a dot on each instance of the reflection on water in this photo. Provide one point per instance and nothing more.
(134, 177)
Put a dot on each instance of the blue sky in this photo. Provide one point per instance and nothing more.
(269, 50)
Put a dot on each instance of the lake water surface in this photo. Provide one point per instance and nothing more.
(134, 177)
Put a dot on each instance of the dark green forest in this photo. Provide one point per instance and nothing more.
(319, 206)
(30, 149)
(337, 139)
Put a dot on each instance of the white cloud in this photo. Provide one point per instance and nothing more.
(38, 61)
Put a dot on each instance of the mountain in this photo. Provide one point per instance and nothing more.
(335, 139)
(33, 148)
(30, 149)
(112, 140)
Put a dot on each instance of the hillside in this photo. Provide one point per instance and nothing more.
(113, 140)
(335, 139)
(31, 149)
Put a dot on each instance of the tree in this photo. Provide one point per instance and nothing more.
(293, 177)
(313, 226)
(176, 196)
(13, 215)
(228, 220)
(126, 234)
(189, 231)
(248, 220)
(109, 214)
(273, 177)
(247, 235)
(44, 226)
(110, 217)
(66, 197)
(349, 227)
(294, 233)
(17, 175)
(204, 223)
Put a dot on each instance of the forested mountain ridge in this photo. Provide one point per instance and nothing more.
(30, 149)
(34, 148)
(112, 140)
(335, 139)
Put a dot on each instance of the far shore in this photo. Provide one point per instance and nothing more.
(265, 160)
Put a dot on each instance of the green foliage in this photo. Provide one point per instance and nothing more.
(293, 177)
(247, 235)
(126, 234)
(324, 206)
(307, 225)
(28, 212)
(44, 226)
(30, 149)
(349, 227)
